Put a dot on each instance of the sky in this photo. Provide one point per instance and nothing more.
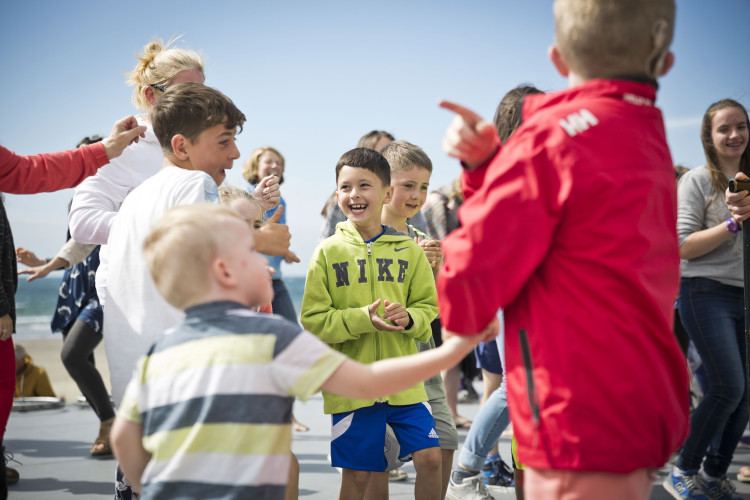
(313, 77)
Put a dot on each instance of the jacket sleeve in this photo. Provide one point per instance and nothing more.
(74, 252)
(50, 171)
(506, 229)
(422, 303)
(318, 314)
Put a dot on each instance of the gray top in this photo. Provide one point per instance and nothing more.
(698, 208)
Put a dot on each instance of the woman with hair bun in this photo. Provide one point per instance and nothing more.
(97, 200)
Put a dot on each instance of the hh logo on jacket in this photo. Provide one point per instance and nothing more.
(386, 270)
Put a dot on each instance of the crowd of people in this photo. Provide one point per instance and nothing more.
(575, 254)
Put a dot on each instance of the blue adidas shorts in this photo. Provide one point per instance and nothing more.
(358, 437)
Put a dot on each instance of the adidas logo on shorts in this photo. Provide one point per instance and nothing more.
(432, 434)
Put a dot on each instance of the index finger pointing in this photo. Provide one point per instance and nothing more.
(468, 115)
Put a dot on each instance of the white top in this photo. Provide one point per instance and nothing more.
(98, 198)
(136, 313)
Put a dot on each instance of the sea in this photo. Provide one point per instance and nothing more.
(36, 302)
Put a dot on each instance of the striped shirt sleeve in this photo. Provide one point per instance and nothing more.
(305, 364)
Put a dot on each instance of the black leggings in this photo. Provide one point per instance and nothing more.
(79, 342)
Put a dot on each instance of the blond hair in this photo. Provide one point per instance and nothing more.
(611, 38)
(158, 65)
(403, 156)
(181, 247)
(228, 194)
(252, 165)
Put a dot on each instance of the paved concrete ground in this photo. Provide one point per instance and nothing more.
(53, 446)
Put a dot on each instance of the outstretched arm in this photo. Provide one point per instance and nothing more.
(389, 376)
(54, 171)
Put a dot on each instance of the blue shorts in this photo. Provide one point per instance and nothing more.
(358, 437)
(488, 357)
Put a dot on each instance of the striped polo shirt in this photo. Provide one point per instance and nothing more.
(214, 397)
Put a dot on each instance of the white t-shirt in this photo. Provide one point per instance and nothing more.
(136, 313)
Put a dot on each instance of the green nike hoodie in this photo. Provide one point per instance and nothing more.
(344, 277)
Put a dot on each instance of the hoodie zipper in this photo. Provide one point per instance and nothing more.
(372, 299)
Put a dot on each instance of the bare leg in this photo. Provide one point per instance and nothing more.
(297, 426)
(445, 469)
(377, 487)
(451, 382)
(353, 484)
(428, 485)
(292, 482)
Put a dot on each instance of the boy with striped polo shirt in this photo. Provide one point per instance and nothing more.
(208, 411)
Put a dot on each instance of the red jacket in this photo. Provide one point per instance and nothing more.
(571, 228)
(50, 171)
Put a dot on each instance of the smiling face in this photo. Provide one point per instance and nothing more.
(361, 195)
(409, 192)
(729, 133)
(270, 163)
(213, 152)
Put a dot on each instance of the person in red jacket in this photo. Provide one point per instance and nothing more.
(571, 228)
(37, 174)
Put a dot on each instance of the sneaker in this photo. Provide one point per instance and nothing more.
(397, 475)
(687, 485)
(498, 477)
(745, 441)
(472, 488)
(721, 490)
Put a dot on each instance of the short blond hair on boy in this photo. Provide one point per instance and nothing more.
(181, 246)
(403, 156)
(614, 38)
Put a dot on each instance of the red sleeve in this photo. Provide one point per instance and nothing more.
(472, 180)
(506, 228)
(50, 171)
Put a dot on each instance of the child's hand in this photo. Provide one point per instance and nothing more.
(469, 138)
(267, 192)
(396, 313)
(432, 250)
(379, 322)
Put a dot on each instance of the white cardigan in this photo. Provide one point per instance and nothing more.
(98, 198)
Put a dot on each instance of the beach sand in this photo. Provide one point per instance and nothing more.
(46, 353)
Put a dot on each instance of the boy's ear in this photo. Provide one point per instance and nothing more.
(222, 274)
(667, 64)
(179, 147)
(388, 195)
(557, 60)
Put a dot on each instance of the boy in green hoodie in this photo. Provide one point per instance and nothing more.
(369, 294)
